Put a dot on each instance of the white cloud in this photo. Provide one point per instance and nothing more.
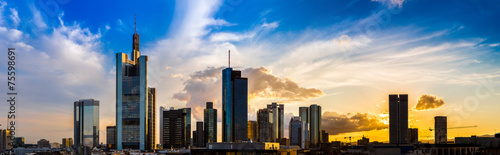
(271, 25)
(37, 17)
(391, 3)
(14, 17)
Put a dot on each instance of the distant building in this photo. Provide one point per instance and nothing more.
(296, 131)
(151, 134)
(440, 130)
(210, 120)
(398, 118)
(278, 119)
(198, 135)
(363, 141)
(413, 135)
(43, 143)
(4, 140)
(265, 125)
(55, 145)
(445, 149)
(253, 134)
(234, 106)
(173, 129)
(86, 123)
(111, 137)
(18, 142)
(65, 143)
(325, 137)
(315, 125)
(243, 148)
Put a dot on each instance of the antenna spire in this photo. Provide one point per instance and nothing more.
(229, 58)
(135, 24)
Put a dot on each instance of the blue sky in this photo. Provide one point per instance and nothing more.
(353, 52)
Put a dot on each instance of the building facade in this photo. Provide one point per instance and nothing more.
(440, 130)
(296, 131)
(111, 137)
(278, 118)
(5, 140)
(210, 120)
(173, 128)
(43, 143)
(151, 133)
(253, 134)
(132, 107)
(265, 125)
(198, 137)
(315, 125)
(304, 116)
(325, 137)
(398, 118)
(234, 106)
(86, 123)
(413, 135)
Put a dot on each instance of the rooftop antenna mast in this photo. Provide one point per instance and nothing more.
(135, 24)
(229, 58)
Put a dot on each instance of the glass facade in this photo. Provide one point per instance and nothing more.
(187, 127)
(111, 137)
(315, 125)
(278, 118)
(133, 116)
(234, 106)
(252, 131)
(296, 132)
(265, 125)
(173, 128)
(86, 123)
(210, 120)
(398, 118)
(151, 130)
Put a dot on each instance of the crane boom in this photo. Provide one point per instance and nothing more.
(458, 127)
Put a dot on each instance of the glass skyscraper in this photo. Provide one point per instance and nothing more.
(265, 125)
(440, 130)
(151, 134)
(132, 105)
(315, 125)
(210, 120)
(234, 106)
(86, 123)
(296, 131)
(173, 128)
(398, 119)
(278, 121)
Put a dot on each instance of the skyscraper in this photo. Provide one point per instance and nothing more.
(398, 118)
(304, 116)
(187, 126)
(210, 118)
(325, 137)
(413, 135)
(86, 123)
(278, 119)
(296, 131)
(252, 131)
(440, 130)
(173, 128)
(234, 106)
(151, 134)
(132, 99)
(198, 135)
(111, 137)
(265, 125)
(5, 140)
(315, 125)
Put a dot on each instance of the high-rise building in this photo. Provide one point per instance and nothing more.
(440, 130)
(111, 137)
(304, 116)
(413, 135)
(151, 134)
(210, 118)
(265, 125)
(198, 135)
(132, 107)
(278, 118)
(86, 123)
(65, 143)
(173, 128)
(296, 131)
(18, 142)
(5, 140)
(70, 142)
(252, 131)
(234, 106)
(325, 137)
(187, 126)
(315, 125)
(398, 118)
(43, 143)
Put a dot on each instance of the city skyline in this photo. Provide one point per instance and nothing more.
(447, 65)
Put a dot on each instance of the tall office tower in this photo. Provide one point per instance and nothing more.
(440, 130)
(398, 119)
(198, 135)
(5, 141)
(253, 134)
(132, 99)
(111, 137)
(315, 125)
(234, 106)
(173, 128)
(187, 127)
(86, 123)
(296, 131)
(210, 118)
(325, 137)
(65, 143)
(278, 117)
(265, 125)
(151, 134)
(304, 116)
(413, 135)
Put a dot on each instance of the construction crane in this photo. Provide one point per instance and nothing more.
(458, 127)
